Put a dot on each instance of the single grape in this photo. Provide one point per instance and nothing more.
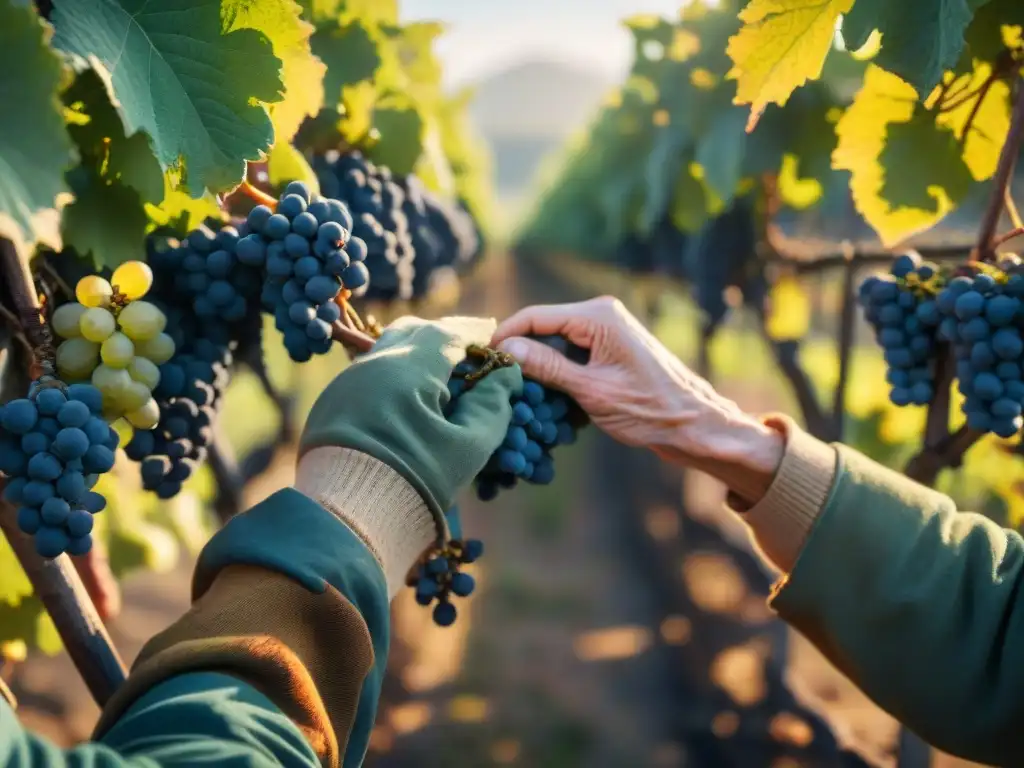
(66, 319)
(51, 541)
(157, 350)
(134, 397)
(19, 416)
(111, 382)
(49, 401)
(117, 351)
(146, 417)
(142, 321)
(94, 291)
(97, 324)
(133, 279)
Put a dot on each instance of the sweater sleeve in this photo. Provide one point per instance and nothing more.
(918, 604)
(291, 606)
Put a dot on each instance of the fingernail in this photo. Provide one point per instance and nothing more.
(516, 348)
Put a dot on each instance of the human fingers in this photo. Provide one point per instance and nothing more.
(546, 365)
(545, 320)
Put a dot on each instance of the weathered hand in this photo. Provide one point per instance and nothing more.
(635, 389)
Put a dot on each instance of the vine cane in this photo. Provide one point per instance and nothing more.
(56, 582)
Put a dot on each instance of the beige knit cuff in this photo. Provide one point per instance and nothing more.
(376, 502)
(784, 517)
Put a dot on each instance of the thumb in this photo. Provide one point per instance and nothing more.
(542, 363)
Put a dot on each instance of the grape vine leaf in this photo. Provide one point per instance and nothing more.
(103, 145)
(401, 128)
(199, 90)
(285, 163)
(89, 227)
(998, 25)
(664, 163)
(986, 123)
(180, 210)
(117, 176)
(907, 172)
(35, 150)
(782, 45)
(351, 53)
(15, 585)
(920, 40)
(281, 22)
(720, 152)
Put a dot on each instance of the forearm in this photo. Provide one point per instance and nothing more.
(916, 602)
(293, 600)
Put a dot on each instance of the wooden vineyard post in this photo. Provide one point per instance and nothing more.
(60, 589)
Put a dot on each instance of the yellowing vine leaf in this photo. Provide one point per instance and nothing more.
(782, 45)
(789, 310)
(990, 122)
(281, 22)
(907, 172)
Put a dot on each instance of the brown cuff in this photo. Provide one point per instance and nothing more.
(783, 518)
(276, 635)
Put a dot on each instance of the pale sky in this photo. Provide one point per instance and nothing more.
(486, 35)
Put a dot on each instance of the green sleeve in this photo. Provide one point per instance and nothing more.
(193, 719)
(920, 605)
(291, 611)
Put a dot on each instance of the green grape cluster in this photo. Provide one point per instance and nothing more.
(115, 341)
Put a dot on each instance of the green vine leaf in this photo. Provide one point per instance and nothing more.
(281, 22)
(35, 150)
(118, 175)
(401, 128)
(351, 54)
(920, 40)
(907, 172)
(107, 220)
(664, 162)
(721, 150)
(285, 164)
(180, 74)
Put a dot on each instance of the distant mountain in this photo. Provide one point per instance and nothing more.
(529, 110)
(538, 99)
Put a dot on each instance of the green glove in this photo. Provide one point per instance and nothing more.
(390, 404)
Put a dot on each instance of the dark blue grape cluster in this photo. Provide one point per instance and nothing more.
(440, 577)
(905, 317)
(542, 419)
(191, 386)
(445, 236)
(378, 219)
(983, 317)
(307, 255)
(54, 445)
(206, 268)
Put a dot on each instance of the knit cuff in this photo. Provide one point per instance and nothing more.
(373, 500)
(785, 515)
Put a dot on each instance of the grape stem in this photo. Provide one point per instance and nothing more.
(18, 278)
(257, 195)
(1007, 236)
(354, 340)
(1003, 176)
